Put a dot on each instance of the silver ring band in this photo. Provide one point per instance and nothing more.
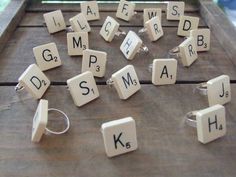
(66, 120)
(202, 89)
(19, 87)
(190, 118)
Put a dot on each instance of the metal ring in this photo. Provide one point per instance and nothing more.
(66, 120)
(19, 87)
(143, 48)
(202, 89)
(143, 30)
(190, 118)
(174, 52)
(120, 32)
(150, 67)
(110, 82)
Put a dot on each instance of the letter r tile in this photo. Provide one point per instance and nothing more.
(119, 136)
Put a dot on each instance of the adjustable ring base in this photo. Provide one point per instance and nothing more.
(190, 118)
(66, 120)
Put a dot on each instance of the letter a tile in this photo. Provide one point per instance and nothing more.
(83, 88)
(119, 136)
(90, 10)
(126, 82)
(47, 56)
(211, 123)
(164, 71)
(34, 81)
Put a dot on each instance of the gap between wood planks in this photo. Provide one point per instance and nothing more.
(2, 84)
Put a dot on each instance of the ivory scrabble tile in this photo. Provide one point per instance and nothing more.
(186, 24)
(164, 71)
(175, 10)
(202, 39)
(211, 123)
(83, 88)
(149, 13)
(94, 61)
(218, 90)
(34, 81)
(154, 29)
(79, 23)
(125, 10)
(126, 82)
(77, 42)
(54, 21)
(47, 56)
(109, 29)
(131, 45)
(90, 10)
(119, 136)
(40, 121)
(188, 52)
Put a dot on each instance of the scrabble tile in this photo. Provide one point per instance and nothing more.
(186, 24)
(40, 121)
(119, 136)
(109, 29)
(77, 42)
(202, 39)
(125, 10)
(218, 90)
(54, 21)
(126, 82)
(79, 23)
(164, 71)
(131, 45)
(154, 29)
(175, 10)
(94, 61)
(90, 10)
(149, 13)
(83, 88)
(34, 81)
(47, 56)
(188, 52)
(211, 123)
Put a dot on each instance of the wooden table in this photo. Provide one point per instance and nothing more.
(167, 146)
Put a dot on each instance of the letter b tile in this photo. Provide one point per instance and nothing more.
(47, 56)
(119, 136)
(34, 81)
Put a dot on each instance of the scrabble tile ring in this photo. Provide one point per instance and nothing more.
(67, 121)
(209, 122)
(217, 90)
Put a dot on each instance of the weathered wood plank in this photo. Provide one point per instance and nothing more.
(18, 55)
(105, 7)
(221, 26)
(167, 147)
(9, 19)
(36, 19)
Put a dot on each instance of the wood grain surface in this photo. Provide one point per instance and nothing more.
(18, 55)
(167, 146)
